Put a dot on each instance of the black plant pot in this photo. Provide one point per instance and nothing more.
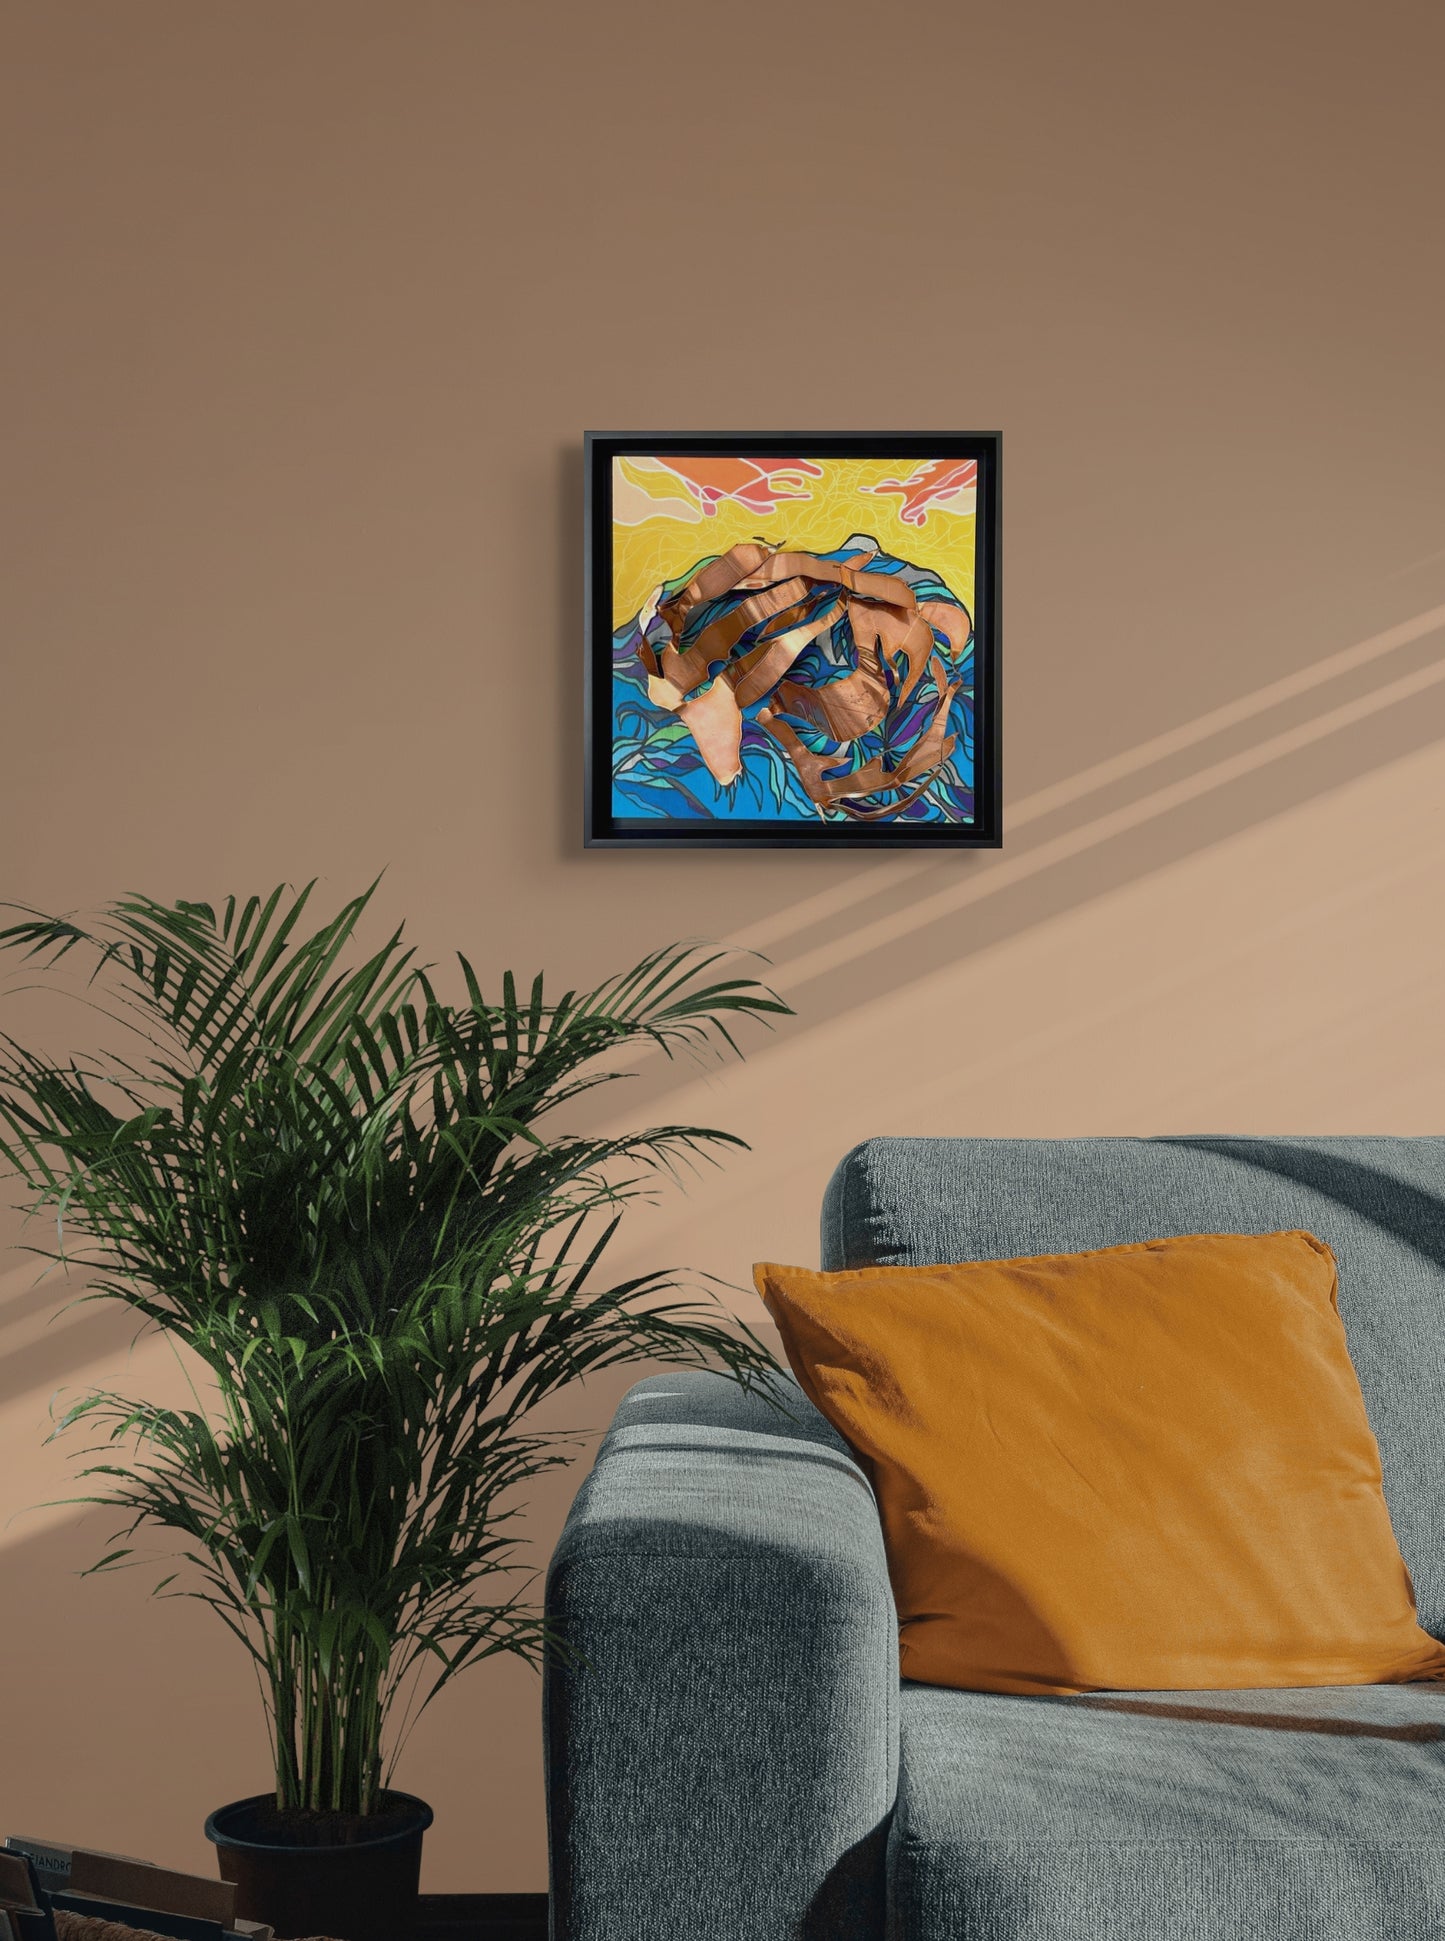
(340, 1875)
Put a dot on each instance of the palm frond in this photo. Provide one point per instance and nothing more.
(329, 1185)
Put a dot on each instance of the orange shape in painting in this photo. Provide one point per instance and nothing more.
(758, 483)
(932, 484)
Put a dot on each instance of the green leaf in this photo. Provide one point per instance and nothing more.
(337, 1194)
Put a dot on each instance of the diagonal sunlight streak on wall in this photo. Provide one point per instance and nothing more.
(33, 1288)
(827, 903)
(1115, 768)
(1072, 842)
(17, 1306)
(1231, 953)
(42, 1469)
(1100, 1012)
(1031, 865)
(1259, 701)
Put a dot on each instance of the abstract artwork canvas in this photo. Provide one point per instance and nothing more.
(793, 639)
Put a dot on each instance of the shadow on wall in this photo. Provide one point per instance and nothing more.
(1268, 752)
(112, 1666)
(1232, 769)
(889, 924)
(569, 500)
(85, 1649)
(880, 931)
(89, 1335)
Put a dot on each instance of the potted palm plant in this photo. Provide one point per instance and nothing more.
(328, 1187)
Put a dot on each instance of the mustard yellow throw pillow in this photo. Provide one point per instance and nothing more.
(1147, 1467)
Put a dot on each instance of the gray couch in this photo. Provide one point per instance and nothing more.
(733, 1759)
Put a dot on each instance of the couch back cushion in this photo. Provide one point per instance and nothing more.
(1379, 1203)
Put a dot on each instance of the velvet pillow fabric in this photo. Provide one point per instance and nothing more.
(1146, 1467)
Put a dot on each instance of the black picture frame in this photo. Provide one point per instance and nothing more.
(603, 828)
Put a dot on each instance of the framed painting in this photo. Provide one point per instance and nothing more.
(792, 640)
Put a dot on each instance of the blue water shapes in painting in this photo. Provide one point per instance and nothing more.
(659, 775)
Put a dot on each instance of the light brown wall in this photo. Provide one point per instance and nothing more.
(308, 305)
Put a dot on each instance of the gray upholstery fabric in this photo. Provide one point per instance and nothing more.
(1301, 1816)
(721, 1764)
(1171, 1816)
(1380, 1203)
(723, 1760)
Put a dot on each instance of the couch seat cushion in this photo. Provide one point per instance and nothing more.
(1261, 1815)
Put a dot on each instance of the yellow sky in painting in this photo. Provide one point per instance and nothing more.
(661, 546)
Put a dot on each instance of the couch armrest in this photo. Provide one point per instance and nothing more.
(722, 1763)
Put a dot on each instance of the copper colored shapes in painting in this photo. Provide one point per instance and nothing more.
(893, 637)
